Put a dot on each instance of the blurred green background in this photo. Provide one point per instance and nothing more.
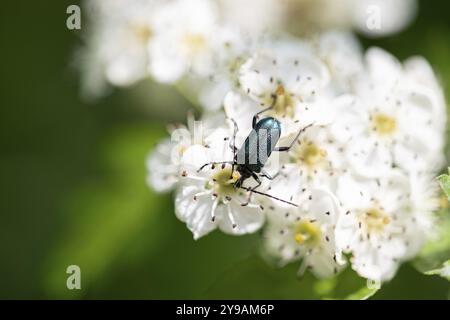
(73, 181)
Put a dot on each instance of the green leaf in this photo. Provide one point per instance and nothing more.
(444, 181)
(363, 294)
(443, 271)
(437, 250)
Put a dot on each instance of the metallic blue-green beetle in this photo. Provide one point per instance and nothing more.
(250, 159)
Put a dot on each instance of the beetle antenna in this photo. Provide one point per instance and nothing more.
(273, 197)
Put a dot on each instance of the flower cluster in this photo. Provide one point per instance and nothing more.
(356, 188)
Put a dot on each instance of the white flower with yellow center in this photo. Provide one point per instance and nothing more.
(316, 158)
(163, 163)
(208, 199)
(186, 34)
(287, 75)
(381, 227)
(395, 119)
(307, 233)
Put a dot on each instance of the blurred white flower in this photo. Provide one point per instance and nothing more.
(307, 233)
(162, 170)
(232, 49)
(185, 39)
(377, 18)
(343, 55)
(117, 43)
(374, 18)
(253, 16)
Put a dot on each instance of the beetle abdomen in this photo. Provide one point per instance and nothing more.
(259, 144)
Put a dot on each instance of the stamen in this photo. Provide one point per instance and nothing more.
(231, 217)
(213, 210)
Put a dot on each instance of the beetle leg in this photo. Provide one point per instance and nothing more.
(265, 174)
(258, 181)
(255, 117)
(281, 149)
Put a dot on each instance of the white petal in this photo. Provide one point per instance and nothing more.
(247, 219)
(162, 172)
(195, 213)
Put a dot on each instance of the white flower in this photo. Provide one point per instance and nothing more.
(286, 74)
(253, 16)
(395, 119)
(381, 227)
(207, 199)
(184, 42)
(307, 233)
(342, 53)
(162, 168)
(117, 43)
(163, 164)
(316, 158)
(288, 78)
(232, 49)
(376, 18)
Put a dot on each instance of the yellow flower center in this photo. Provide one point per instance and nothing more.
(443, 202)
(142, 32)
(223, 182)
(194, 43)
(307, 233)
(384, 124)
(310, 154)
(376, 219)
(284, 104)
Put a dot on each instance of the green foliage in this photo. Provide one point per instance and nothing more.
(103, 216)
(437, 250)
(443, 271)
(444, 181)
